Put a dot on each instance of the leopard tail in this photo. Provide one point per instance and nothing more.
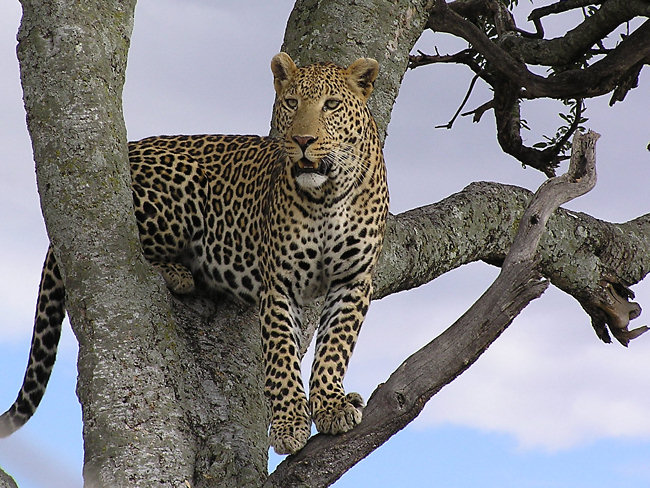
(50, 311)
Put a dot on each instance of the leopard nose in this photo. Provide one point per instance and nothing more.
(304, 141)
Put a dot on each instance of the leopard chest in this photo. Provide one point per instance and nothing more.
(311, 251)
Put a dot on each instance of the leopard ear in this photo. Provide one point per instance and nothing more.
(361, 75)
(283, 69)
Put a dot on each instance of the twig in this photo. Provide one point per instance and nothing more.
(462, 57)
(449, 124)
(479, 111)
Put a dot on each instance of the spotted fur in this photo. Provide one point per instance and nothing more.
(273, 221)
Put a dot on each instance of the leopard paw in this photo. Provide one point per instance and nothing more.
(177, 277)
(339, 416)
(288, 437)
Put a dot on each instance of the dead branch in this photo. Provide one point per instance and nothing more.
(479, 111)
(466, 56)
(578, 180)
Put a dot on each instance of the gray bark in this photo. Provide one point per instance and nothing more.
(172, 391)
(580, 254)
(7, 481)
(72, 61)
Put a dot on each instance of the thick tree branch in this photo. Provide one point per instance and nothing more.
(400, 399)
(561, 6)
(580, 254)
(533, 49)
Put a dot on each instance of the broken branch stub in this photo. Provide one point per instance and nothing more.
(611, 311)
(578, 180)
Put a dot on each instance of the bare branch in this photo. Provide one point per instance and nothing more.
(563, 6)
(479, 111)
(466, 56)
(559, 7)
(450, 124)
(578, 180)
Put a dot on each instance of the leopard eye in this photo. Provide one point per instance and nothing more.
(331, 104)
(292, 103)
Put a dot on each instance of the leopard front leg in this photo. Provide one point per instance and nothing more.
(290, 419)
(332, 410)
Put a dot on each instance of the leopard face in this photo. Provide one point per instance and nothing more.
(321, 114)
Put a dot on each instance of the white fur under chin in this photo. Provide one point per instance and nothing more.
(311, 180)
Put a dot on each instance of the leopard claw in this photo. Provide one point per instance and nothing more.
(340, 417)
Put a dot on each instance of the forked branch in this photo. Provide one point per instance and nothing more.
(400, 399)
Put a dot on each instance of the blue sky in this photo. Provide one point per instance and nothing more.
(548, 405)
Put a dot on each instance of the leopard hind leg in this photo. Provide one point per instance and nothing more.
(178, 277)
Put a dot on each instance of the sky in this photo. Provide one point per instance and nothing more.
(547, 406)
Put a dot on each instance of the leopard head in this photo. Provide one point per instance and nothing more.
(321, 114)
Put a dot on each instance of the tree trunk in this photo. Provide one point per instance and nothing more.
(172, 390)
(153, 411)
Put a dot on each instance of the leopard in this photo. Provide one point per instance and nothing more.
(273, 221)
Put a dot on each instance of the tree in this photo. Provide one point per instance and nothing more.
(209, 424)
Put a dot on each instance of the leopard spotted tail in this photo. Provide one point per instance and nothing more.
(50, 310)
